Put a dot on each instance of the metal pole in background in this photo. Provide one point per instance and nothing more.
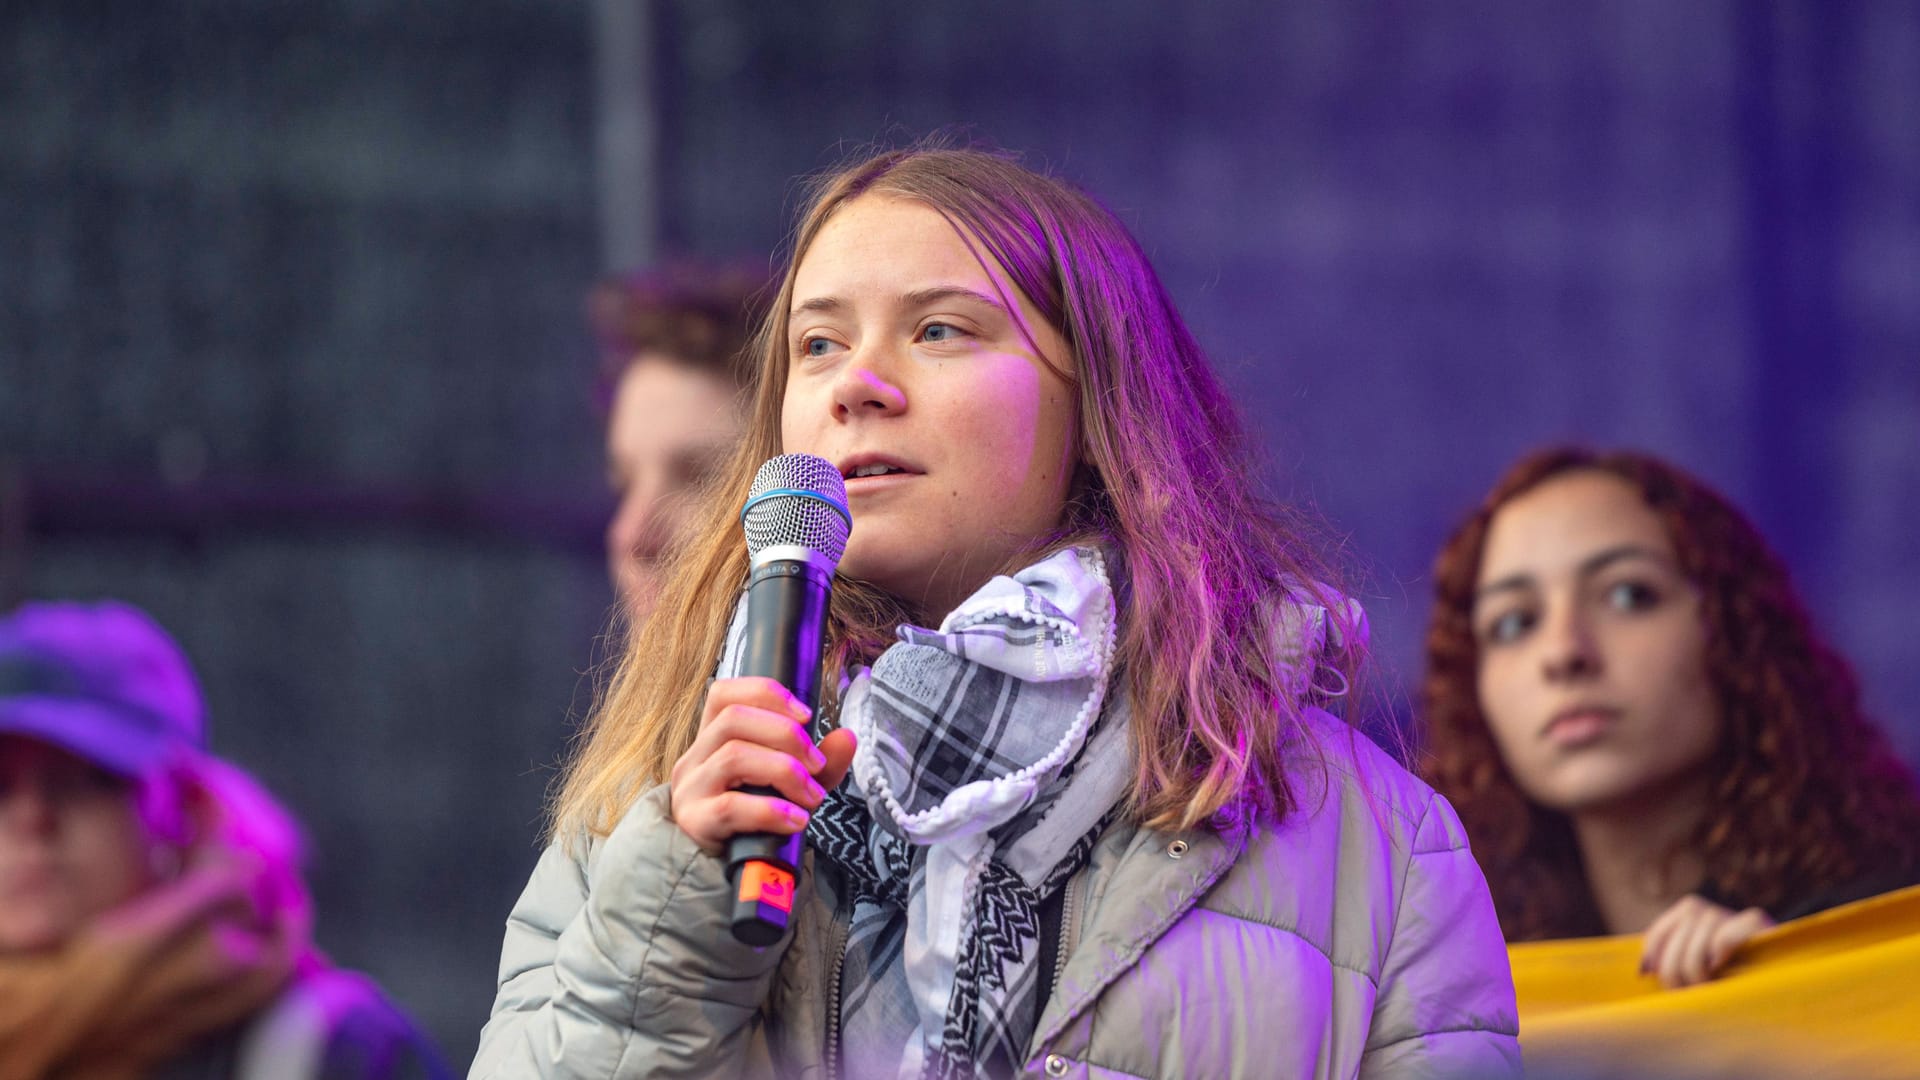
(626, 133)
(16, 535)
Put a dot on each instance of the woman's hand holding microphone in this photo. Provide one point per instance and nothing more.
(753, 732)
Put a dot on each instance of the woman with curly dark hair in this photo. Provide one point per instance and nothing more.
(1628, 705)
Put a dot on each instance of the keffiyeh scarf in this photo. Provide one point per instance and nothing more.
(989, 761)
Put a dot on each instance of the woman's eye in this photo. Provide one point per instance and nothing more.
(68, 785)
(694, 469)
(939, 332)
(1508, 626)
(1631, 596)
(98, 781)
(816, 346)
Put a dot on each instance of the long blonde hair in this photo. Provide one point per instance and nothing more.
(1164, 482)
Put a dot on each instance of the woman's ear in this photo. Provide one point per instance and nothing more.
(165, 860)
(204, 817)
(179, 810)
(160, 800)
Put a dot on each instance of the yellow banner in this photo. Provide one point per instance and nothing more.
(1833, 994)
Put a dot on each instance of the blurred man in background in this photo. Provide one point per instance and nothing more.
(672, 386)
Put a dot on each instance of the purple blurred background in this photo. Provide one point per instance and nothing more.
(292, 349)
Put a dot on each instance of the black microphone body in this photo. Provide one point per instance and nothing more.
(795, 540)
(786, 634)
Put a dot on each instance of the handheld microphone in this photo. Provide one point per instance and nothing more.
(797, 523)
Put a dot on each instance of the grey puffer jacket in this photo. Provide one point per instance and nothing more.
(1357, 938)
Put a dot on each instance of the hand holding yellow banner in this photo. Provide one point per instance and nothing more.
(1833, 994)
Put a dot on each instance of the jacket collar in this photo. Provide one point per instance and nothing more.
(1142, 881)
(1137, 889)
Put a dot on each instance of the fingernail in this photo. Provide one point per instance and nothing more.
(815, 792)
(815, 759)
(797, 816)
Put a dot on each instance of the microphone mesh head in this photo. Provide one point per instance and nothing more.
(814, 516)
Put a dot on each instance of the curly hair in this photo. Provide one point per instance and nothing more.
(1807, 796)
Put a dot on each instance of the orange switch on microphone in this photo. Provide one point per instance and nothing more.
(764, 883)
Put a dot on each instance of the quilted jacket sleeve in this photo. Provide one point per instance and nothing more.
(1445, 1006)
(622, 965)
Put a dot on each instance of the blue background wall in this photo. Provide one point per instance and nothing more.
(291, 348)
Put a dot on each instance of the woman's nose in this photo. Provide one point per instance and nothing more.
(26, 805)
(1570, 650)
(869, 384)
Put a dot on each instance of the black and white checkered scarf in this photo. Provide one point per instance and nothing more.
(989, 761)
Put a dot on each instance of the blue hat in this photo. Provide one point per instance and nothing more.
(100, 680)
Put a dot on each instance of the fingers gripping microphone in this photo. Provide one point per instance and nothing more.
(797, 524)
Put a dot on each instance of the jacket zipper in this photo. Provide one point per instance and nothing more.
(1068, 911)
(831, 1059)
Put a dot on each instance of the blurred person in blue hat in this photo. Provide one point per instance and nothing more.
(153, 921)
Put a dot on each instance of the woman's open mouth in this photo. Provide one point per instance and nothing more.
(874, 472)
